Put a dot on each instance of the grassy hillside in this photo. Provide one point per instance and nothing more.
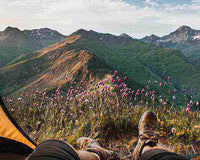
(108, 112)
(141, 61)
(52, 66)
(14, 42)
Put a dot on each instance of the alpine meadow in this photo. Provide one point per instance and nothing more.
(87, 68)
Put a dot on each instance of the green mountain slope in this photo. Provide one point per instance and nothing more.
(14, 42)
(52, 66)
(184, 39)
(139, 61)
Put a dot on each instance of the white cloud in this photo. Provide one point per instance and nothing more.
(197, 1)
(114, 16)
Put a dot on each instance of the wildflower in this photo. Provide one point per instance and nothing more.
(52, 100)
(125, 78)
(115, 72)
(19, 99)
(9, 100)
(153, 92)
(174, 90)
(147, 87)
(197, 103)
(160, 84)
(116, 86)
(91, 108)
(191, 102)
(165, 84)
(86, 101)
(170, 83)
(62, 111)
(164, 103)
(174, 98)
(35, 104)
(119, 81)
(149, 92)
(187, 109)
(142, 91)
(149, 81)
(160, 100)
(173, 130)
(35, 133)
(168, 77)
(95, 115)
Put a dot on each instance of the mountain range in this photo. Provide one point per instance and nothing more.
(184, 39)
(93, 56)
(14, 42)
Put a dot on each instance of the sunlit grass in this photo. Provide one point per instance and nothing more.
(108, 111)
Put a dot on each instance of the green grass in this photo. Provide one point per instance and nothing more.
(106, 115)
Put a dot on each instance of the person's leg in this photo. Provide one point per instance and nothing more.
(59, 150)
(146, 148)
(91, 145)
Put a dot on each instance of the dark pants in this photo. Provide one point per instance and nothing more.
(53, 150)
(152, 155)
(59, 150)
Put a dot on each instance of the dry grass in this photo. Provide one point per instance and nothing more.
(103, 112)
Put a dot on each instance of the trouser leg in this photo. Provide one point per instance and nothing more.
(54, 150)
(160, 154)
(59, 150)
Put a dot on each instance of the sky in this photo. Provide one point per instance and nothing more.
(138, 18)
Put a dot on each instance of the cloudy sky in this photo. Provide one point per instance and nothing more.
(137, 18)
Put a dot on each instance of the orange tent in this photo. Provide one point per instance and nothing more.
(14, 142)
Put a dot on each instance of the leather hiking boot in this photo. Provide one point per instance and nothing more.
(92, 145)
(147, 135)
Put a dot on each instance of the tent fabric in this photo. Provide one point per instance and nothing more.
(12, 138)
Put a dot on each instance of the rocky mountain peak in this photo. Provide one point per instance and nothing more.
(10, 29)
(151, 39)
(124, 35)
(184, 28)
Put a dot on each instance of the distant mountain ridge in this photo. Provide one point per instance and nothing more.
(71, 59)
(185, 39)
(14, 42)
(182, 34)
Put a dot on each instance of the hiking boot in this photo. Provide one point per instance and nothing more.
(147, 135)
(92, 145)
